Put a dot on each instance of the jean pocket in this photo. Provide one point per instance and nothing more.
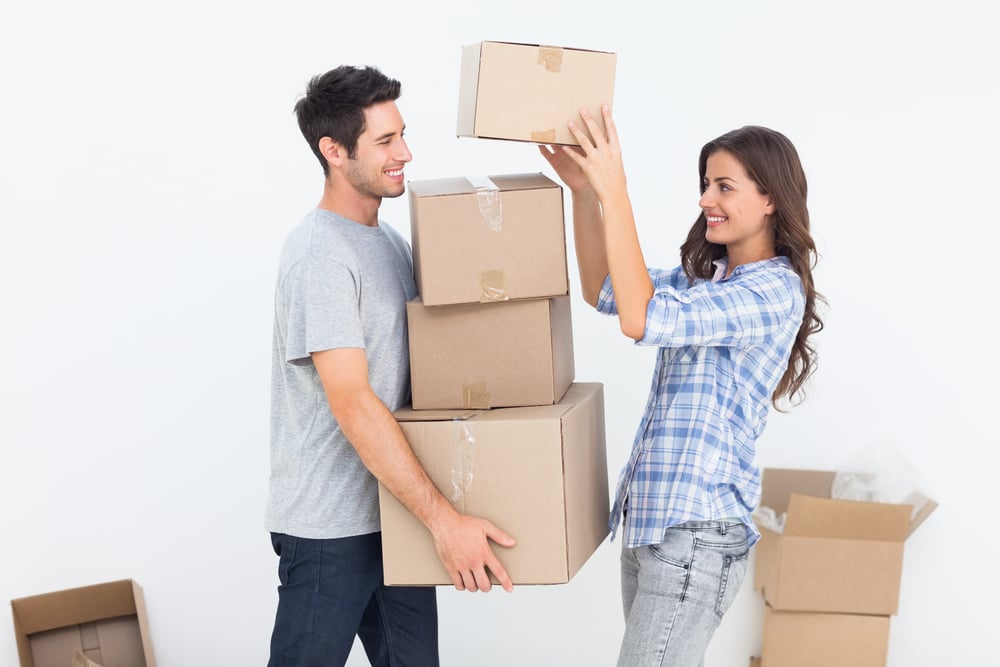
(734, 570)
(284, 546)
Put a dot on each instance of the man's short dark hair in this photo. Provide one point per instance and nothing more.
(334, 106)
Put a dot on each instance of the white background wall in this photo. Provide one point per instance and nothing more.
(150, 167)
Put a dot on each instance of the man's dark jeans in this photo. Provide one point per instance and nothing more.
(331, 590)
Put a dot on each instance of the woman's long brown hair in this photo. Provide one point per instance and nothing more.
(772, 162)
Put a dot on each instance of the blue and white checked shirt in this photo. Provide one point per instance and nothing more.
(724, 345)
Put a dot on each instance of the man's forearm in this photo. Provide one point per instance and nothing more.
(375, 434)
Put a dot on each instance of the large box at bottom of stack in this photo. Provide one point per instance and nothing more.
(817, 639)
(490, 355)
(106, 622)
(539, 473)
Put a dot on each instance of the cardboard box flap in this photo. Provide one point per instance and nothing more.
(544, 47)
(74, 606)
(408, 414)
(780, 483)
(458, 185)
(809, 516)
(575, 394)
(926, 507)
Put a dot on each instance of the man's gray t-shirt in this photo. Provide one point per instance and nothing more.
(340, 284)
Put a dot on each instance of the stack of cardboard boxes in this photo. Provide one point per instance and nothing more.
(497, 419)
(831, 577)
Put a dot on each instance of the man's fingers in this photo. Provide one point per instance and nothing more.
(483, 580)
(500, 573)
(499, 536)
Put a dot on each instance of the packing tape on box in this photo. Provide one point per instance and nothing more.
(488, 198)
(550, 57)
(463, 464)
(544, 136)
(476, 396)
(491, 288)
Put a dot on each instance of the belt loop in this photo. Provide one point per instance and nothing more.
(722, 527)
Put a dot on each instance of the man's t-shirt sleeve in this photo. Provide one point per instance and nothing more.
(322, 309)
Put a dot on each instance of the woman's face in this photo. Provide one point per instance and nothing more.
(738, 215)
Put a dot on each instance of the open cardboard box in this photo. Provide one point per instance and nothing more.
(833, 555)
(529, 92)
(488, 238)
(539, 473)
(106, 622)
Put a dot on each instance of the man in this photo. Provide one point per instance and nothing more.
(340, 368)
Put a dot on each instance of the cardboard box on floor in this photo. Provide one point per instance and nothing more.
(529, 92)
(488, 238)
(817, 639)
(834, 555)
(490, 355)
(539, 473)
(106, 622)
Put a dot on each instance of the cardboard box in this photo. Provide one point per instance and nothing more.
(490, 355)
(489, 238)
(815, 639)
(539, 473)
(833, 555)
(107, 622)
(529, 92)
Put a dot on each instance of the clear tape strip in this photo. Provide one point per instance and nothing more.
(463, 463)
(488, 198)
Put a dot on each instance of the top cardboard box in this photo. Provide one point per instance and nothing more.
(842, 556)
(529, 92)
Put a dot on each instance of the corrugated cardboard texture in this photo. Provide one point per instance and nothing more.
(529, 92)
(836, 575)
(539, 473)
(107, 622)
(834, 555)
(460, 256)
(802, 639)
(490, 355)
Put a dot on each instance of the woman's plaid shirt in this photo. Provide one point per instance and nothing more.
(724, 345)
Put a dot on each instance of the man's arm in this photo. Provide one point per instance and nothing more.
(462, 541)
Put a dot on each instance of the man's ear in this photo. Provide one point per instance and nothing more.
(332, 152)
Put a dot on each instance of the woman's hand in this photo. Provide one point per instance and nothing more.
(598, 158)
(567, 170)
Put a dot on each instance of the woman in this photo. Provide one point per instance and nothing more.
(732, 323)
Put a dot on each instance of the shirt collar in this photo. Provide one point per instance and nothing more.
(722, 264)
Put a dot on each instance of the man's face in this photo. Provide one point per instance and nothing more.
(376, 170)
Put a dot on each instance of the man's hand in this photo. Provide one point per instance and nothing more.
(462, 542)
